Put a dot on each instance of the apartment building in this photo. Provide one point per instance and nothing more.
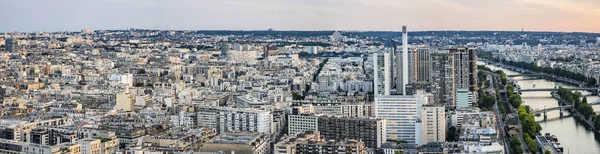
(371, 131)
(433, 123)
(235, 119)
(301, 123)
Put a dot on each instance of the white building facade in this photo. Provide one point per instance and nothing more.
(302, 123)
(402, 115)
(232, 119)
(433, 124)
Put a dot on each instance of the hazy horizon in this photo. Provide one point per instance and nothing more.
(344, 15)
(316, 30)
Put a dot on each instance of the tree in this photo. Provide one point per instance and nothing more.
(399, 152)
(487, 102)
(515, 144)
(510, 89)
(451, 134)
(547, 152)
(515, 100)
(554, 71)
(587, 111)
(596, 120)
(503, 77)
(321, 65)
(400, 141)
(591, 82)
(296, 96)
(580, 103)
(577, 104)
(530, 127)
(483, 67)
(531, 145)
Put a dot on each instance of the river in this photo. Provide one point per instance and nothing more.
(572, 134)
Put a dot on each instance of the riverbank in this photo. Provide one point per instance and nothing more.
(528, 127)
(554, 74)
(580, 117)
(574, 136)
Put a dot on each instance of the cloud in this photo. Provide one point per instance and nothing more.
(58, 15)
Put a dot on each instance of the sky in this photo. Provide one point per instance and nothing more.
(383, 15)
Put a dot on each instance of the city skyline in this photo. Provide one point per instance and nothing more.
(299, 76)
(495, 15)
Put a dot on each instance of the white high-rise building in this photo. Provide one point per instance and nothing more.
(337, 37)
(379, 73)
(402, 115)
(598, 40)
(390, 47)
(311, 49)
(237, 47)
(404, 60)
(433, 124)
(376, 70)
(382, 76)
(387, 66)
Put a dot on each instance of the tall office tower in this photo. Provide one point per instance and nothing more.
(382, 74)
(401, 113)
(412, 66)
(337, 37)
(387, 76)
(390, 46)
(473, 69)
(442, 78)
(377, 73)
(598, 40)
(433, 123)
(225, 48)
(423, 64)
(10, 44)
(461, 68)
(404, 60)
